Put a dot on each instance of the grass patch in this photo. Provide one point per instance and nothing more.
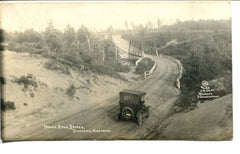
(122, 68)
(111, 69)
(56, 66)
(185, 103)
(26, 81)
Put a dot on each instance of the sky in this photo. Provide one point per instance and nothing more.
(100, 15)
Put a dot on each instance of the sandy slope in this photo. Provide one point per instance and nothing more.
(212, 120)
(50, 98)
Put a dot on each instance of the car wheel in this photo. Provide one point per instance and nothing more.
(127, 113)
(140, 119)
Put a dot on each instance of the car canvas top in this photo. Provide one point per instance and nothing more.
(134, 92)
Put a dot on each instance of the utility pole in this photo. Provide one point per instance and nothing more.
(89, 46)
(155, 48)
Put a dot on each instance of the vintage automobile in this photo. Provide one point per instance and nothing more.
(132, 106)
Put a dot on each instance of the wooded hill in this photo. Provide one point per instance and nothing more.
(204, 48)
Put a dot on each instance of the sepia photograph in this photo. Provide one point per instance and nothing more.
(116, 71)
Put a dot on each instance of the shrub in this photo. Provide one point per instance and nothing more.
(3, 81)
(103, 69)
(122, 68)
(32, 94)
(7, 105)
(186, 102)
(131, 60)
(26, 82)
(57, 66)
(71, 91)
(144, 65)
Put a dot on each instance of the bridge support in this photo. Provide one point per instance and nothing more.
(135, 49)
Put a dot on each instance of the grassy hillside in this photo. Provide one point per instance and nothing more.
(204, 59)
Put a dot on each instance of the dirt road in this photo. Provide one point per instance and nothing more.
(98, 121)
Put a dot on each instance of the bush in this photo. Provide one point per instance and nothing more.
(54, 65)
(3, 81)
(32, 94)
(75, 59)
(131, 60)
(103, 69)
(71, 91)
(26, 82)
(187, 101)
(144, 65)
(122, 68)
(7, 105)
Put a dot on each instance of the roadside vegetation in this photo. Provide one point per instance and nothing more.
(26, 81)
(82, 49)
(204, 49)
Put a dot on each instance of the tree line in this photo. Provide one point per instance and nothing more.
(81, 47)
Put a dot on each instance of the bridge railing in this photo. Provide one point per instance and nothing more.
(136, 63)
(148, 73)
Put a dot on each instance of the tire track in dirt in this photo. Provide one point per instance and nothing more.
(129, 130)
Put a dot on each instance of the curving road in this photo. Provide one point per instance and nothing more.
(100, 119)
